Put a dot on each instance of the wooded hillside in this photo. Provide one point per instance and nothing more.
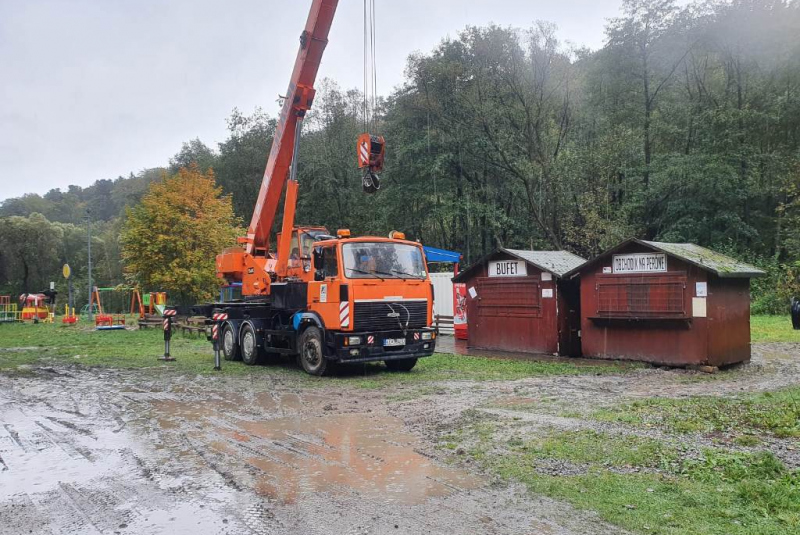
(685, 126)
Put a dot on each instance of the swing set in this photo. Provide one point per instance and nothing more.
(111, 304)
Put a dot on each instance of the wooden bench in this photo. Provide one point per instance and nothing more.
(151, 320)
(443, 323)
(192, 325)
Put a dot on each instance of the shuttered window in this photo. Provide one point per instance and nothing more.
(509, 297)
(642, 296)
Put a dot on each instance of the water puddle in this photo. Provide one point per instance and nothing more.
(361, 452)
(299, 455)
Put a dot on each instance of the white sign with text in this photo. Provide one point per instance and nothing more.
(508, 268)
(639, 263)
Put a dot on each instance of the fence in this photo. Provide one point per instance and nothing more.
(9, 312)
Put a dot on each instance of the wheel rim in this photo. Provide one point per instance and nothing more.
(312, 353)
(227, 342)
(248, 343)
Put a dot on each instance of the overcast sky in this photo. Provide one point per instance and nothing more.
(93, 89)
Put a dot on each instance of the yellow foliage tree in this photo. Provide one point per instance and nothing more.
(170, 240)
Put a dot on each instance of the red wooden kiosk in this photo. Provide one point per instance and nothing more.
(518, 301)
(677, 304)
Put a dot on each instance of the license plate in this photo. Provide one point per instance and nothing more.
(394, 342)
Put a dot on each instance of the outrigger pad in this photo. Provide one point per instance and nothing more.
(371, 182)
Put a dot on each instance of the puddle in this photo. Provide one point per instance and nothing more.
(295, 456)
(361, 452)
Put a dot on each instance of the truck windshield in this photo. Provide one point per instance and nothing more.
(383, 260)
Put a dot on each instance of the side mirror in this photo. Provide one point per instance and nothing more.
(319, 258)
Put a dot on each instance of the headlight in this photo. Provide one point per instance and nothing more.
(353, 340)
(427, 336)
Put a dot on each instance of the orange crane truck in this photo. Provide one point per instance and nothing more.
(319, 297)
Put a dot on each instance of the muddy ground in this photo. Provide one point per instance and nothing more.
(150, 451)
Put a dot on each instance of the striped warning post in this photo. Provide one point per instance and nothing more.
(364, 149)
(215, 332)
(344, 314)
(167, 323)
(220, 316)
(170, 312)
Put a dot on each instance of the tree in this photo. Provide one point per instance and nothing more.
(170, 240)
(29, 252)
(243, 158)
(194, 152)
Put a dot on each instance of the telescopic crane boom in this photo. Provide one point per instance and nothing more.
(252, 265)
(299, 98)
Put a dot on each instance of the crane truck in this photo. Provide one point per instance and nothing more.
(319, 297)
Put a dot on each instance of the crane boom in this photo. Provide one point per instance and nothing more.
(298, 100)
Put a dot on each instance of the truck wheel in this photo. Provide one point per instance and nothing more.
(249, 346)
(400, 365)
(230, 348)
(312, 354)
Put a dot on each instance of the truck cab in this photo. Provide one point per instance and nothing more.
(375, 298)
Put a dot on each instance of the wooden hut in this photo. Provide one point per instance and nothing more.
(666, 303)
(518, 301)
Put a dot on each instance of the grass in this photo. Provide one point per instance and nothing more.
(773, 329)
(777, 413)
(24, 345)
(646, 486)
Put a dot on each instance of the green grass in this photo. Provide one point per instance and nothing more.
(45, 344)
(776, 412)
(648, 487)
(773, 329)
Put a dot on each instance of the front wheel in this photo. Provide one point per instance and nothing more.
(230, 349)
(401, 365)
(312, 355)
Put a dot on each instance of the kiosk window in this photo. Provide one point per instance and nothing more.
(641, 296)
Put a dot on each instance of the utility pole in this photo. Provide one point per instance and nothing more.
(89, 251)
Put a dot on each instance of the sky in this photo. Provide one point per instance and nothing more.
(94, 89)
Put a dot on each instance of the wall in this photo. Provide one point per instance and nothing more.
(443, 296)
(729, 316)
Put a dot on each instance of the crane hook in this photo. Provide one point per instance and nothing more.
(371, 153)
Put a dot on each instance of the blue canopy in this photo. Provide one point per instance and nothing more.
(432, 254)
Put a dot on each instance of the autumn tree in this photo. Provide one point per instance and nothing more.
(170, 240)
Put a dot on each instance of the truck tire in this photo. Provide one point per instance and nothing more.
(401, 365)
(312, 352)
(249, 346)
(230, 347)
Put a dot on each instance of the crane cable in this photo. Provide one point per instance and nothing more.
(370, 68)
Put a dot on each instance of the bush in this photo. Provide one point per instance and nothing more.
(773, 294)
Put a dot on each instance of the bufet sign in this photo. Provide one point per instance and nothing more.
(639, 263)
(507, 268)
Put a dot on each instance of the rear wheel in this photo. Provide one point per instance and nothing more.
(249, 347)
(401, 365)
(230, 348)
(312, 355)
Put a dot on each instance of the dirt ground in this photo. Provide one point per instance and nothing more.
(147, 451)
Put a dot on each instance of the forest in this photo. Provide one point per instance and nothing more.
(684, 126)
